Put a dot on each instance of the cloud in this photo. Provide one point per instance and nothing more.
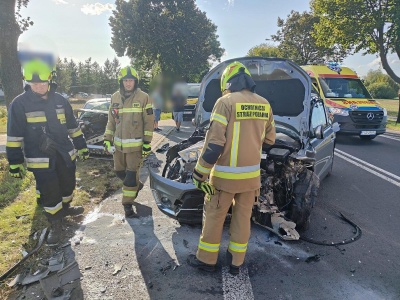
(60, 2)
(231, 2)
(97, 8)
(376, 63)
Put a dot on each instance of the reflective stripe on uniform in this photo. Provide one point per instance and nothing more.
(130, 110)
(148, 106)
(75, 132)
(36, 117)
(219, 118)
(235, 144)
(202, 169)
(236, 247)
(128, 142)
(67, 199)
(37, 194)
(273, 123)
(14, 141)
(108, 131)
(128, 193)
(72, 153)
(148, 133)
(53, 210)
(37, 163)
(208, 247)
(236, 172)
(61, 115)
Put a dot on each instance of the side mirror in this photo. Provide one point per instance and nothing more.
(319, 132)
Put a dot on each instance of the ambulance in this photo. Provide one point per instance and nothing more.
(348, 101)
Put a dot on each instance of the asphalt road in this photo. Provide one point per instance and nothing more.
(152, 249)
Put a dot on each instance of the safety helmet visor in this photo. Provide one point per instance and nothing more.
(36, 71)
(128, 73)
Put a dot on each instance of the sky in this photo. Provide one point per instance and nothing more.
(79, 29)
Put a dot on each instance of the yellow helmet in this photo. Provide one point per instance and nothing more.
(127, 73)
(231, 71)
(37, 71)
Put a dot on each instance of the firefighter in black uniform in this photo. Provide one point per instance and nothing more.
(40, 125)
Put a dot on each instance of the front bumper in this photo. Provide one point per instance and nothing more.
(348, 126)
(181, 201)
(189, 114)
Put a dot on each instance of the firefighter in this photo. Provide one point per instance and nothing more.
(241, 121)
(40, 125)
(130, 128)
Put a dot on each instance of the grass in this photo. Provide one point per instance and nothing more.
(3, 118)
(20, 217)
(392, 106)
(165, 116)
(392, 125)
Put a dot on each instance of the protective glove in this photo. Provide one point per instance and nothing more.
(17, 171)
(146, 149)
(107, 147)
(204, 186)
(83, 154)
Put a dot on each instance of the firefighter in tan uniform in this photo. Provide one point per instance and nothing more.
(130, 129)
(241, 122)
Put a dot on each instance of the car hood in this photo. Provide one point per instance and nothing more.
(283, 83)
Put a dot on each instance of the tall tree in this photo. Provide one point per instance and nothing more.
(368, 26)
(381, 85)
(63, 75)
(186, 39)
(11, 27)
(264, 50)
(297, 43)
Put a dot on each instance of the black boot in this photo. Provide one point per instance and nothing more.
(55, 233)
(129, 213)
(234, 270)
(72, 210)
(194, 262)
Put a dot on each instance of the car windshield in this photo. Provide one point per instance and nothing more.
(343, 88)
(97, 106)
(193, 91)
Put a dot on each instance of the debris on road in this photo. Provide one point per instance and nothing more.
(185, 243)
(117, 269)
(278, 243)
(163, 148)
(313, 258)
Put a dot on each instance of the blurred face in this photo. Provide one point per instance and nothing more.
(39, 87)
(129, 84)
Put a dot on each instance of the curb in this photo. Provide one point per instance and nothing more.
(156, 144)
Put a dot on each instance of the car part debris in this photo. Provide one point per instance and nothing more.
(37, 247)
(31, 278)
(117, 269)
(56, 263)
(185, 243)
(313, 258)
(163, 148)
(357, 235)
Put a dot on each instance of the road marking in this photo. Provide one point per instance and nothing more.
(237, 287)
(390, 137)
(353, 160)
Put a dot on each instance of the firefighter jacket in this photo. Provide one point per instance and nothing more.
(31, 119)
(240, 123)
(130, 121)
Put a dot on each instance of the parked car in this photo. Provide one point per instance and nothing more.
(290, 170)
(92, 119)
(193, 91)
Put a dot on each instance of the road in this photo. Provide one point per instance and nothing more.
(365, 186)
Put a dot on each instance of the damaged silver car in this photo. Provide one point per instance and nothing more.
(291, 169)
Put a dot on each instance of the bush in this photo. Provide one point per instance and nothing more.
(382, 90)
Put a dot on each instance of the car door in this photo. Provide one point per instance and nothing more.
(324, 147)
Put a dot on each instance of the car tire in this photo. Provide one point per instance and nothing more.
(367, 137)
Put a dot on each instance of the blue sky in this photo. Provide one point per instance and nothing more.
(79, 29)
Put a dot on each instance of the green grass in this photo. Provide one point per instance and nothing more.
(20, 216)
(392, 125)
(166, 116)
(392, 106)
(3, 118)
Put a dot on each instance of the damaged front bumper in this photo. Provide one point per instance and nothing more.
(181, 201)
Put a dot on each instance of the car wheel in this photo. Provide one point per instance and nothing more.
(367, 137)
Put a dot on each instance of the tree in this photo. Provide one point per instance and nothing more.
(381, 85)
(174, 34)
(264, 50)
(11, 27)
(366, 26)
(63, 76)
(297, 43)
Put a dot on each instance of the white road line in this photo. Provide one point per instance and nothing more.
(368, 164)
(369, 170)
(389, 137)
(237, 287)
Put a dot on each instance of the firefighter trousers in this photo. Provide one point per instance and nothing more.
(127, 168)
(214, 215)
(55, 187)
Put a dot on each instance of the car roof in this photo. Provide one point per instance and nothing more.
(99, 100)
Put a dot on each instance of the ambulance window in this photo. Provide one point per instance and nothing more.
(318, 115)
